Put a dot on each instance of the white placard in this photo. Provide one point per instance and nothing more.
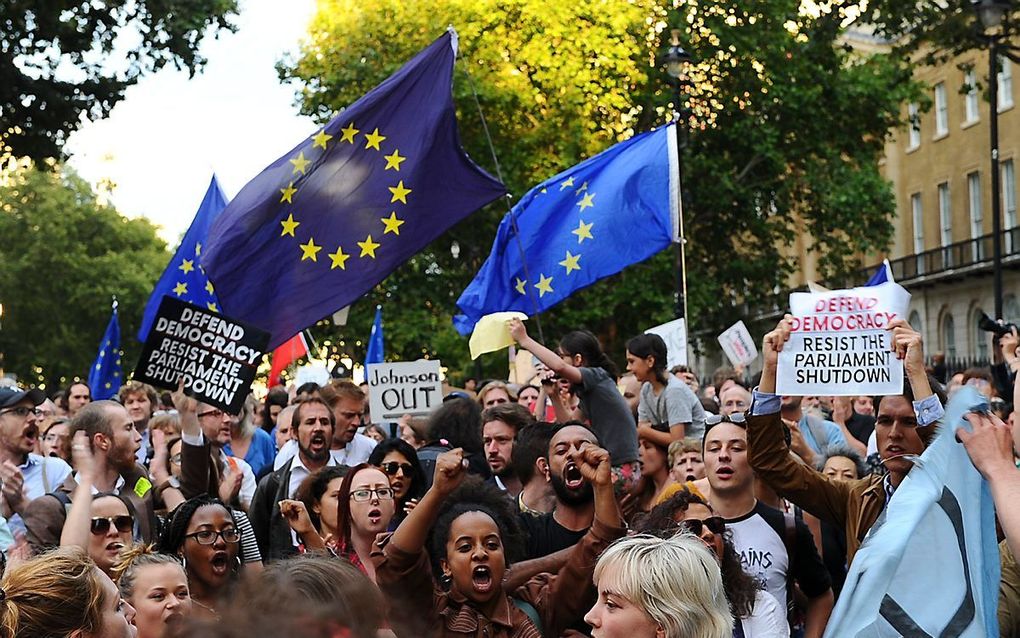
(314, 372)
(738, 345)
(839, 344)
(404, 387)
(674, 333)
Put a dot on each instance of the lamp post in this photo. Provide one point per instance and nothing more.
(991, 13)
(676, 61)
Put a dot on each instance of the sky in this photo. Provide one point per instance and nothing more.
(161, 144)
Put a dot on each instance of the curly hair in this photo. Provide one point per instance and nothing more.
(475, 495)
(459, 421)
(171, 537)
(741, 588)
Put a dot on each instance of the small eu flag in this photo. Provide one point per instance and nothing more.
(615, 209)
(329, 220)
(106, 375)
(376, 350)
(184, 277)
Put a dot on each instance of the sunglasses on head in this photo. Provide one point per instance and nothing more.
(715, 419)
(715, 524)
(101, 524)
(392, 467)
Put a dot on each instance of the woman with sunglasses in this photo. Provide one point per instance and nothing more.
(399, 461)
(203, 534)
(365, 508)
(756, 613)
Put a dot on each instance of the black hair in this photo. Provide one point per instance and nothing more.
(651, 345)
(556, 427)
(532, 443)
(311, 388)
(459, 421)
(314, 486)
(475, 495)
(276, 396)
(587, 345)
(418, 485)
(171, 537)
(927, 434)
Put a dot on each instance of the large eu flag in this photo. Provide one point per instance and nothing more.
(329, 220)
(106, 373)
(184, 277)
(615, 209)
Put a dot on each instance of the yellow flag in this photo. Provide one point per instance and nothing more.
(491, 333)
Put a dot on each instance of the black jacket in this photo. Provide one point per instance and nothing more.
(271, 530)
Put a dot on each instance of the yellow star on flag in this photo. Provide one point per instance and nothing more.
(399, 192)
(288, 193)
(211, 306)
(587, 201)
(583, 187)
(348, 133)
(373, 139)
(289, 225)
(108, 386)
(544, 285)
(320, 139)
(520, 285)
(198, 248)
(570, 263)
(187, 265)
(208, 287)
(583, 231)
(368, 247)
(181, 288)
(310, 250)
(567, 184)
(392, 223)
(393, 161)
(339, 259)
(300, 163)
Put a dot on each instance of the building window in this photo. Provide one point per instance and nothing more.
(1005, 83)
(917, 213)
(914, 116)
(981, 338)
(941, 110)
(974, 203)
(915, 321)
(1011, 309)
(949, 336)
(945, 215)
(1009, 201)
(971, 101)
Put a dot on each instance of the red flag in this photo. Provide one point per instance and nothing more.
(286, 354)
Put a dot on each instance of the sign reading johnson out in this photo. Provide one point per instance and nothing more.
(404, 387)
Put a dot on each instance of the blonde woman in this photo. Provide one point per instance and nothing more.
(651, 587)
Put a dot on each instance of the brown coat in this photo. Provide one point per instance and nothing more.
(421, 609)
(45, 516)
(851, 505)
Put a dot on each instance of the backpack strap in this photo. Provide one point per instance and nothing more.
(529, 611)
(64, 499)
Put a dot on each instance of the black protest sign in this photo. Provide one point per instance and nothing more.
(216, 355)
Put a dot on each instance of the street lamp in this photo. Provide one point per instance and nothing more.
(991, 13)
(676, 62)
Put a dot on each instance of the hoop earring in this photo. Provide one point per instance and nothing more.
(184, 564)
(237, 569)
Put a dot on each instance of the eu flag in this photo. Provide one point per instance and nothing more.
(615, 209)
(184, 277)
(376, 350)
(106, 375)
(329, 220)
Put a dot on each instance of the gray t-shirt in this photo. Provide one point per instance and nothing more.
(610, 416)
(677, 403)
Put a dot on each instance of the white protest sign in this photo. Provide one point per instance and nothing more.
(404, 387)
(314, 372)
(674, 333)
(839, 344)
(736, 342)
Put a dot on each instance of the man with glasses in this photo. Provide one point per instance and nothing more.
(313, 422)
(25, 475)
(110, 434)
(772, 546)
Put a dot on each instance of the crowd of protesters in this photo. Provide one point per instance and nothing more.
(652, 504)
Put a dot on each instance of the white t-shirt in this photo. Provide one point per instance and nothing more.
(767, 620)
(357, 451)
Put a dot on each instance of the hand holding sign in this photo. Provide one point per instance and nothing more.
(771, 345)
(908, 346)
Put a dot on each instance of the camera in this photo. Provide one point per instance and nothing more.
(998, 329)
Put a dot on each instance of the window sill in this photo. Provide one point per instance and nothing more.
(1003, 107)
(940, 136)
(911, 149)
(969, 123)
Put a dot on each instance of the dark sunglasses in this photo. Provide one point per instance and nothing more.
(393, 467)
(715, 524)
(101, 524)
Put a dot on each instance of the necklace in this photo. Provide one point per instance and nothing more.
(205, 607)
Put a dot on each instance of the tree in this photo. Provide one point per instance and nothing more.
(54, 65)
(63, 255)
(787, 130)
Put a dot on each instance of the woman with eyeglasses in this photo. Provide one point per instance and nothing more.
(399, 461)
(365, 507)
(203, 534)
(756, 613)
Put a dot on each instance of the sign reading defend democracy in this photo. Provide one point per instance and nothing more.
(217, 356)
(840, 344)
(405, 387)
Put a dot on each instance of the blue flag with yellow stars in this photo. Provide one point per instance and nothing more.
(106, 375)
(184, 277)
(329, 220)
(593, 220)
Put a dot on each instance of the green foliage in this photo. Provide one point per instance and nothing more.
(54, 67)
(787, 129)
(64, 255)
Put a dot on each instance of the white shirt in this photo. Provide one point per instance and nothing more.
(298, 473)
(357, 451)
(767, 619)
